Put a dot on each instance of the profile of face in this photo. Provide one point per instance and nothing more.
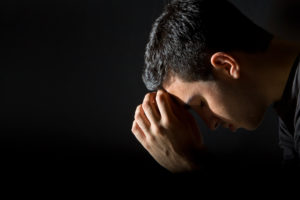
(232, 100)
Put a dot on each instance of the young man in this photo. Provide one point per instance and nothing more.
(207, 56)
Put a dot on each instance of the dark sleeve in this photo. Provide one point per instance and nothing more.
(297, 132)
(287, 144)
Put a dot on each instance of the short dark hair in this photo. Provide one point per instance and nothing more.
(188, 32)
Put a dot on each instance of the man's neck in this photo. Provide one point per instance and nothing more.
(276, 65)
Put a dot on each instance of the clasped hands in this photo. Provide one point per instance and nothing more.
(168, 132)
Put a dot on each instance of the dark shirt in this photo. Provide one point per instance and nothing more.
(288, 110)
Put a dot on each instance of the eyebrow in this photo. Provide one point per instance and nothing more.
(189, 100)
(187, 103)
(187, 106)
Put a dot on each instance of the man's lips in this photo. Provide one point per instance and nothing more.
(228, 125)
(231, 127)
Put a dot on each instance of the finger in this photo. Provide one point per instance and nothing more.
(149, 109)
(175, 104)
(154, 105)
(163, 105)
(137, 131)
(142, 120)
(171, 102)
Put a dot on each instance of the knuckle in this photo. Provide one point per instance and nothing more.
(151, 139)
(157, 130)
(160, 91)
(139, 107)
(159, 97)
(147, 97)
(166, 123)
(133, 130)
(147, 146)
(147, 105)
(139, 118)
(134, 127)
(138, 110)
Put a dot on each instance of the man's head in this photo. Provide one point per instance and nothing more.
(193, 53)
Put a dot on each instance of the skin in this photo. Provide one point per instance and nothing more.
(245, 86)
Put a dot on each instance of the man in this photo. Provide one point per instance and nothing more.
(207, 56)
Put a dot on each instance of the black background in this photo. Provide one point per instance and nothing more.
(71, 79)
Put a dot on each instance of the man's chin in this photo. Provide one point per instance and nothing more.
(251, 128)
(233, 128)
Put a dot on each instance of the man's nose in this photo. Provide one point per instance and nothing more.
(211, 122)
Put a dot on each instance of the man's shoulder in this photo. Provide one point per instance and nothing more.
(288, 110)
(288, 104)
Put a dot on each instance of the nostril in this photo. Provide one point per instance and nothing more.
(216, 125)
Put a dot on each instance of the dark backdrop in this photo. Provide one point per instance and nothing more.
(70, 82)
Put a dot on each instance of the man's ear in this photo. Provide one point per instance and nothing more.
(226, 64)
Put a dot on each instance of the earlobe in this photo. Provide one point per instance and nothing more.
(225, 63)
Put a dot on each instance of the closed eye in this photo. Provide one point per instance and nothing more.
(187, 106)
(202, 104)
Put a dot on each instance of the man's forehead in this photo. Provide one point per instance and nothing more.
(179, 97)
(182, 91)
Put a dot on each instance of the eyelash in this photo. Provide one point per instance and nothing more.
(201, 104)
(187, 106)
